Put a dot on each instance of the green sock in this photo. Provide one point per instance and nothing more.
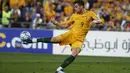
(46, 40)
(68, 61)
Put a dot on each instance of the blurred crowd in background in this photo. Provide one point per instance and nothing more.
(115, 14)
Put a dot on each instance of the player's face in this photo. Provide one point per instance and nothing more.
(77, 8)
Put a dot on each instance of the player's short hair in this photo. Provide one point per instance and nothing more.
(80, 2)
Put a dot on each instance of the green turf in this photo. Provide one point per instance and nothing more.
(41, 63)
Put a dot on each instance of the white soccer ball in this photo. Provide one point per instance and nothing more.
(25, 35)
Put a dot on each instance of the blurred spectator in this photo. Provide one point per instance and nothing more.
(18, 2)
(115, 14)
(0, 11)
(105, 14)
(68, 9)
(6, 3)
(59, 8)
(87, 5)
(44, 17)
(49, 11)
(119, 13)
(16, 10)
(33, 14)
(126, 5)
(6, 14)
(117, 27)
(27, 21)
(123, 22)
(126, 28)
(91, 3)
(37, 21)
(38, 7)
(16, 17)
(23, 11)
(128, 15)
(109, 26)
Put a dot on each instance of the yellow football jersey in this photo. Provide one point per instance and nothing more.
(81, 24)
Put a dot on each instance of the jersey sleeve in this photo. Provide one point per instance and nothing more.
(71, 19)
(94, 16)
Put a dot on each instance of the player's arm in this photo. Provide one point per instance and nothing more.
(62, 25)
(96, 18)
(65, 24)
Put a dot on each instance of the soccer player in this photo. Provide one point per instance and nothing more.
(80, 25)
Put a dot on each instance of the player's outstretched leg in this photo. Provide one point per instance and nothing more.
(68, 60)
(43, 39)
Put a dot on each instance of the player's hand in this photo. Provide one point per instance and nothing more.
(52, 20)
(97, 20)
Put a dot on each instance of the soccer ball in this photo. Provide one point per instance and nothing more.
(25, 35)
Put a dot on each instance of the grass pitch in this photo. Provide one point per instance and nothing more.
(43, 63)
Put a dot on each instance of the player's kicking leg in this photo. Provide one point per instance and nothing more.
(43, 39)
(69, 60)
(36, 40)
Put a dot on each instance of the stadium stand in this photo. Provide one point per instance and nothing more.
(115, 14)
